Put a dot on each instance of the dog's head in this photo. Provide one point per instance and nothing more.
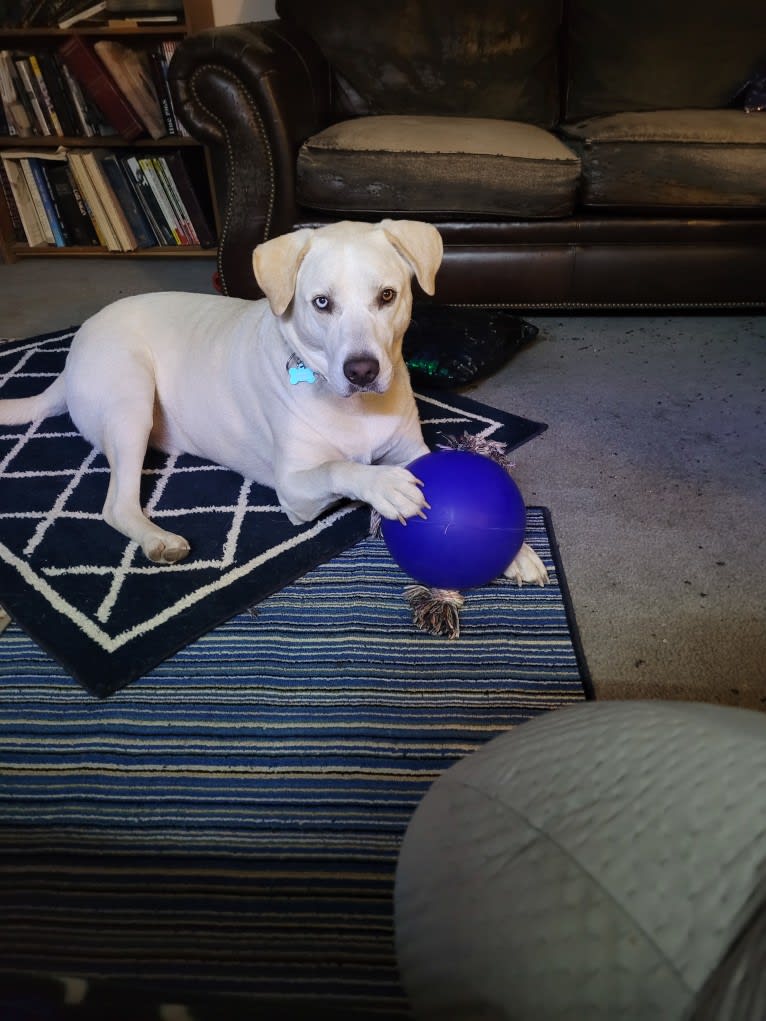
(343, 297)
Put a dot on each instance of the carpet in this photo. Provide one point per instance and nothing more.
(90, 598)
(229, 824)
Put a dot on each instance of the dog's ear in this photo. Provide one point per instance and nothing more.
(276, 263)
(420, 244)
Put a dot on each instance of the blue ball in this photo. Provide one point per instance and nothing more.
(472, 532)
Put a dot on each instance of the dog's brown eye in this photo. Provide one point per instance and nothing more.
(387, 295)
(321, 303)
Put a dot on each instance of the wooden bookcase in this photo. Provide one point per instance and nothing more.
(198, 14)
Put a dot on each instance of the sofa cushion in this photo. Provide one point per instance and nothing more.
(484, 59)
(438, 166)
(658, 54)
(672, 158)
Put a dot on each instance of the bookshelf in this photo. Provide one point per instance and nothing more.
(197, 15)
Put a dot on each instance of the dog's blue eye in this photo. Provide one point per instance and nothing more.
(322, 303)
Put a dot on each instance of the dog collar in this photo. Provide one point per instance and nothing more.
(298, 372)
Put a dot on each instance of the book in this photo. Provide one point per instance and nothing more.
(123, 232)
(33, 99)
(189, 194)
(73, 212)
(37, 201)
(13, 209)
(103, 227)
(98, 84)
(131, 207)
(130, 70)
(159, 70)
(58, 91)
(45, 96)
(171, 219)
(74, 14)
(84, 120)
(49, 206)
(24, 204)
(18, 120)
(145, 195)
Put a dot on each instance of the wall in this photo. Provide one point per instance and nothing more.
(234, 12)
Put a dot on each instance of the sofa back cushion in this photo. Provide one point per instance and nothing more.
(660, 54)
(489, 58)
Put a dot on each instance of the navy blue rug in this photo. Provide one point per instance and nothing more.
(223, 832)
(90, 598)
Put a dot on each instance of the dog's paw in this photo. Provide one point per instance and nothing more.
(527, 567)
(395, 493)
(166, 548)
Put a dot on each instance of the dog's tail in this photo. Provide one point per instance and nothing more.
(19, 410)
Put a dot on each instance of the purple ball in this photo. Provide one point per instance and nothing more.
(472, 532)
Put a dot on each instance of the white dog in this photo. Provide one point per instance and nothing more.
(305, 391)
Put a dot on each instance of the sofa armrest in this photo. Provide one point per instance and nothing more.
(252, 94)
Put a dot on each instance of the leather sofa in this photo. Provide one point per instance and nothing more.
(581, 154)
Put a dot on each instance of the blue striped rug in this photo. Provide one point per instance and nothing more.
(229, 824)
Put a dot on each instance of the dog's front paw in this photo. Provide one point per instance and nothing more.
(526, 566)
(166, 548)
(395, 493)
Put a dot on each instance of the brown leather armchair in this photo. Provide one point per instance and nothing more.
(584, 159)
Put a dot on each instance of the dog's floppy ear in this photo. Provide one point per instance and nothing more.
(276, 263)
(420, 244)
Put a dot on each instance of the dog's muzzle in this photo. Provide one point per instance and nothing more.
(361, 372)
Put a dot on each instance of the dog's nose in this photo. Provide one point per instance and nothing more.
(361, 371)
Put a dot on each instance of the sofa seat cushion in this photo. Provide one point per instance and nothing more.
(672, 158)
(438, 166)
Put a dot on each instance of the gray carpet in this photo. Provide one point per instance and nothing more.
(653, 468)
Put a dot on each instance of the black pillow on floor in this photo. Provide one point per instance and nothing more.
(447, 347)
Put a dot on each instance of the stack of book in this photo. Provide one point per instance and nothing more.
(122, 200)
(66, 13)
(83, 89)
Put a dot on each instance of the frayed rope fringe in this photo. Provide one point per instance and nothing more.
(435, 610)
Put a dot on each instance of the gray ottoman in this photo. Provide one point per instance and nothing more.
(602, 861)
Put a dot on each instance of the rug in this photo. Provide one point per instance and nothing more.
(229, 824)
(89, 596)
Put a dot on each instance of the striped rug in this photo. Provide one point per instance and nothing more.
(228, 826)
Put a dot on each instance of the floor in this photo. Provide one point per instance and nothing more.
(652, 466)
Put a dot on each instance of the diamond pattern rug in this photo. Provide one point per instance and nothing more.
(89, 597)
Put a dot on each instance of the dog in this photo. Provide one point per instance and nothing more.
(305, 391)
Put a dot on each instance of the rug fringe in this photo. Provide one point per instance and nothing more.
(435, 610)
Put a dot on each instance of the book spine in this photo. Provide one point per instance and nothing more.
(145, 197)
(25, 74)
(96, 81)
(37, 202)
(78, 102)
(163, 202)
(98, 215)
(123, 192)
(161, 87)
(45, 96)
(13, 208)
(51, 70)
(41, 169)
(27, 211)
(185, 224)
(116, 216)
(182, 179)
(72, 212)
(16, 100)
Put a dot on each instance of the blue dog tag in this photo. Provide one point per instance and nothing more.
(299, 373)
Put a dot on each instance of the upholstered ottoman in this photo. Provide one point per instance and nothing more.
(602, 861)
